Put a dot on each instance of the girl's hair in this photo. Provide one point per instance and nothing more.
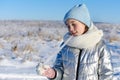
(86, 29)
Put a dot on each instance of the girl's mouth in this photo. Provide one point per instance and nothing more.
(74, 33)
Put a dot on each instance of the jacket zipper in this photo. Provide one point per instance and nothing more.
(78, 65)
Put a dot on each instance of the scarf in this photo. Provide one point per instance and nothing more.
(86, 40)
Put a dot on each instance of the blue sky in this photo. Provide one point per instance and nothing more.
(100, 10)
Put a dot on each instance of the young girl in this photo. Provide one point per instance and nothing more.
(85, 56)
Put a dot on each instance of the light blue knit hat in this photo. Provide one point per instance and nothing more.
(80, 13)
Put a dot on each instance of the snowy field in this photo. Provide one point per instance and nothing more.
(23, 44)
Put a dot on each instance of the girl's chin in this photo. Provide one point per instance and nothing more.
(75, 34)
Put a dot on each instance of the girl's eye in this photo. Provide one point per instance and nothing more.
(68, 26)
(73, 24)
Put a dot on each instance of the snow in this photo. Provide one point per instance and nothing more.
(23, 44)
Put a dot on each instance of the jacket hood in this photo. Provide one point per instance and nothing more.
(80, 13)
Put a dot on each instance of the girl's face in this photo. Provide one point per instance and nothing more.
(75, 27)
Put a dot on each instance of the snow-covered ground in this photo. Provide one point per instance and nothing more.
(23, 44)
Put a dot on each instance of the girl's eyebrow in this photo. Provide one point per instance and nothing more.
(70, 22)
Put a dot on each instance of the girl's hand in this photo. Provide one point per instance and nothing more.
(49, 72)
